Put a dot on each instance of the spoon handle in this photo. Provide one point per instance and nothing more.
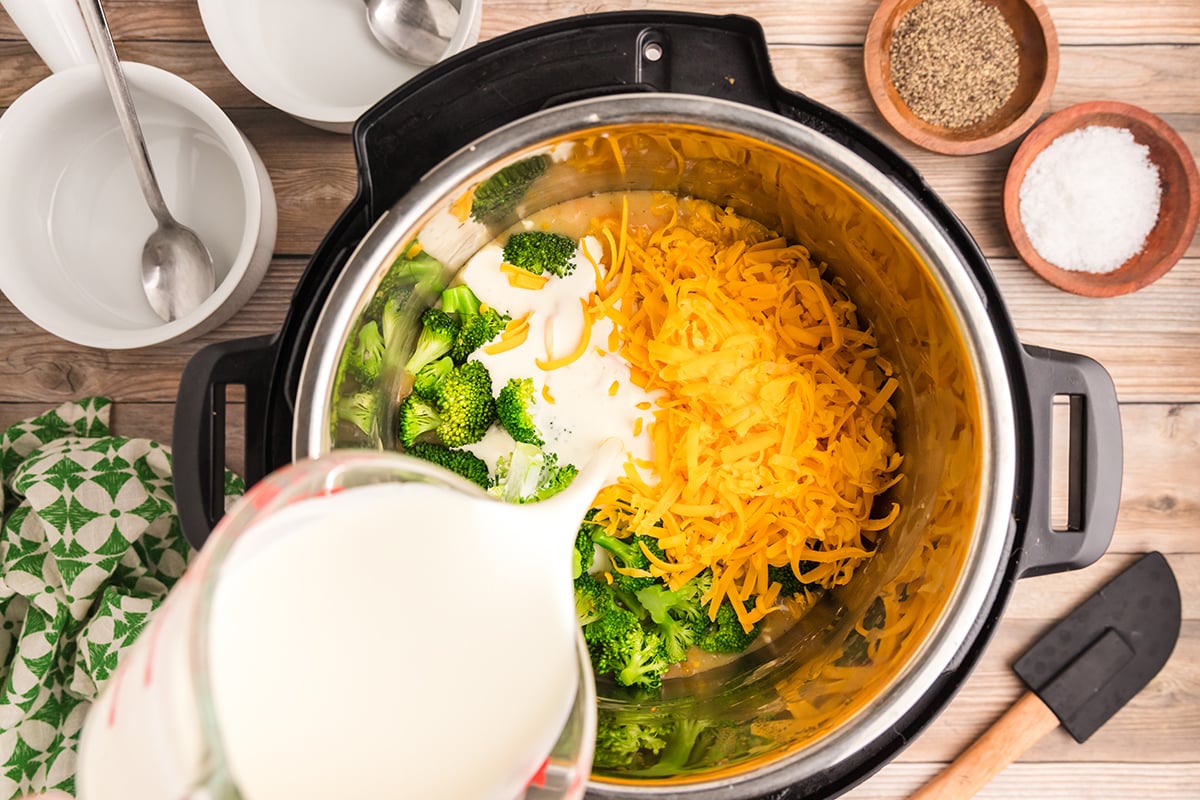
(114, 78)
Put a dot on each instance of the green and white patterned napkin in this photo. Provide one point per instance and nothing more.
(90, 546)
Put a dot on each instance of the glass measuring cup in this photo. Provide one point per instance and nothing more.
(154, 731)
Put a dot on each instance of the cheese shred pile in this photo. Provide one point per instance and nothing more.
(773, 425)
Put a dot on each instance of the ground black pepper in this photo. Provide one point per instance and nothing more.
(954, 62)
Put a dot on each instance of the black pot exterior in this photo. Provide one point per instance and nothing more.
(465, 97)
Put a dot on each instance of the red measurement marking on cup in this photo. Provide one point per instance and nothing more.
(539, 777)
(156, 626)
(577, 783)
(116, 697)
(262, 494)
(152, 647)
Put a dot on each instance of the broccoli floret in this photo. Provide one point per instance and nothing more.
(681, 742)
(677, 636)
(476, 331)
(464, 399)
(422, 272)
(438, 331)
(618, 741)
(725, 634)
(460, 300)
(529, 474)
(683, 603)
(789, 582)
(365, 359)
(541, 251)
(677, 613)
(359, 409)
(391, 321)
(462, 462)
(416, 417)
(638, 659)
(554, 478)
(731, 742)
(627, 555)
(499, 194)
(459, 412)
(616, 640)
(584, 553)
(593, 599)
(612, 626)
(514, 410)
(518, 473)
(431, 375)
(640, 743)
(478, 324)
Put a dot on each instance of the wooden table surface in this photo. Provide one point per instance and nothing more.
(1145, 52)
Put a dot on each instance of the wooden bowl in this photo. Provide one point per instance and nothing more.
(1037, 72)
(1178, 209)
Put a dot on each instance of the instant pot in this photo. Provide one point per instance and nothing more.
(687, 104)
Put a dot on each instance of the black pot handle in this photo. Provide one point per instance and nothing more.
(198, 439)
(518, 74)
(1095, 464)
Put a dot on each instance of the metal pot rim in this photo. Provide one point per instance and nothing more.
(989, 546)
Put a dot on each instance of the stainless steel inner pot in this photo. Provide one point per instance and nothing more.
(863, 659)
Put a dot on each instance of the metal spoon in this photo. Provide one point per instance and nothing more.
(177, 269)
(416, 30)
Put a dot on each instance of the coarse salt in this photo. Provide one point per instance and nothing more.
(1090, 199)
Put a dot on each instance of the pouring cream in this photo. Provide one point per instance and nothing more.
(399, 639)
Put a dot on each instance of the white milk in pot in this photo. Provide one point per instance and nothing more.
(400, 639)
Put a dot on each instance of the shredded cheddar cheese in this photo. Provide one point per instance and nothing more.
(461, 208)
(584, 340)
(773, 431)
(513, 335)
(522, 278)
(549, 398)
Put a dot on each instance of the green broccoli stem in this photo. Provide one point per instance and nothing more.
(460, 300)
(628, 552)
(438, 331)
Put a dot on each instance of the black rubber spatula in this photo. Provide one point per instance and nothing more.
(1079, 674)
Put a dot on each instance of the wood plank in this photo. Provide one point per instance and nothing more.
(21, 68)
(1149, 340)
(1160, 501)
(1160, 498)
(1055, 596)
(845, 22)
(1162, 78)
(1159, 718)
(1067, 780)
(39, 367)
(139, 19)
(312, 171)
(1077, 22)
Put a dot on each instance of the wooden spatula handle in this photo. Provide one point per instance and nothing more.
(1019, 729)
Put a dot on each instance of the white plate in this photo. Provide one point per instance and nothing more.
(315, 59)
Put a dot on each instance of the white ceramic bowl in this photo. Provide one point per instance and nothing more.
(73, 220)
(315, 59)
